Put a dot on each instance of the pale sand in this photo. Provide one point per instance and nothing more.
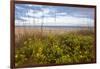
(20, 31)
(45, 30)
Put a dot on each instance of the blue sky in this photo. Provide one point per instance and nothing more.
(30, 14)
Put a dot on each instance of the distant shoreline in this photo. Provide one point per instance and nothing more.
(60, 26)
(49, 29)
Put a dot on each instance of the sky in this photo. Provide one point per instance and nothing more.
(35, 15)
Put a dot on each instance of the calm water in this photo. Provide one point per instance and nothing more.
(55, 27)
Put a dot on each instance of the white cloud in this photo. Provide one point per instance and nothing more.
(34, 13)
(46, 10)
(62, 13)
(60, 20)
(18, 23)
(18, 7)
(69, 21)
(30, 5)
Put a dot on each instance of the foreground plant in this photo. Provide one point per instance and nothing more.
(56, 49)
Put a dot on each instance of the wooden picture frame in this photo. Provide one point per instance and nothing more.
(13, 3)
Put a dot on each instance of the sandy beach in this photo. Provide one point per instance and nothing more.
(22, 30)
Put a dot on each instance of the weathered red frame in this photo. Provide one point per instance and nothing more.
(42, 3)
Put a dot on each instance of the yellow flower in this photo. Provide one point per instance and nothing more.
(16, 56)
(37, 54)
(40, 50)
(25, 42)
(81, 56)
(29, 39)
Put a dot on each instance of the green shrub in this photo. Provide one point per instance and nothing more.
(56, 49)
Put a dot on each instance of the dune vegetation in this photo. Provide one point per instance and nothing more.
(67, 48)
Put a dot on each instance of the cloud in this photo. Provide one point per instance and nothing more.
(37, 14)
(34, 13)
(60, 21)
(69, 21)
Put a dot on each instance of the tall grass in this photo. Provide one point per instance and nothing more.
(77, 47)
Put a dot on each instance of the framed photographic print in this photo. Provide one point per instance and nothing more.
(49, 34)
